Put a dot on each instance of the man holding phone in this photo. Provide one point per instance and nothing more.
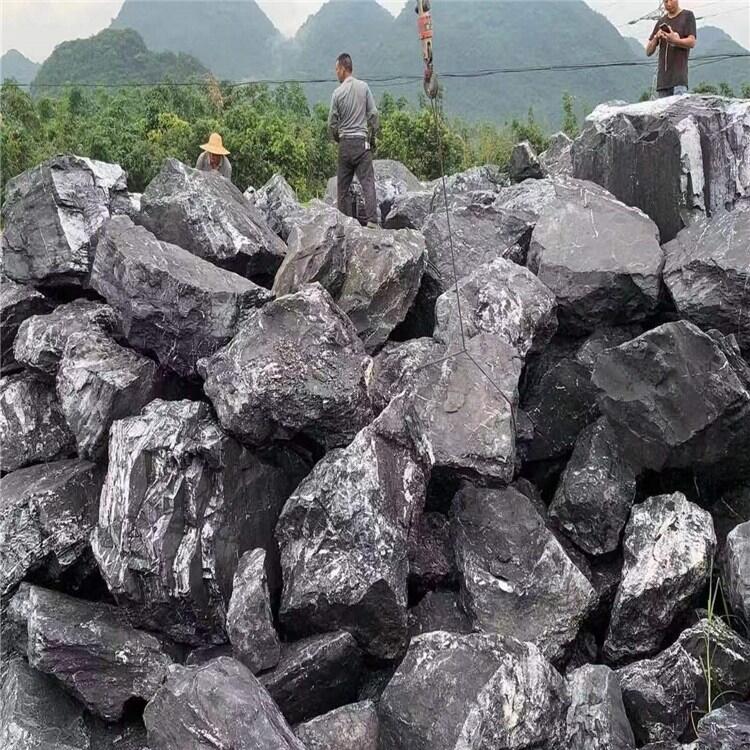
(675, 35)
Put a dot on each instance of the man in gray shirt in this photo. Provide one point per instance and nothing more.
(351, 121)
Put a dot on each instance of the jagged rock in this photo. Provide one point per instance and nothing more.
(530, 198)
(661, 693)
(668, 156)
(487, 178)
(249, 617)
(32, 426)
(465, 415)
(278, 203)
(125, 735)
(344, 535)
(431, 562)
(169, 302)
(315, 675)
(727, 654)
(48, 513)
(439, 610)
(295, 366)
(92, 651)
(392, 179)
(500, 298)
(557, 160)
(596, 716)
(372, 275)
(650, 385)
(732, 509)
(208, 216)
(18, 302)
(216, 706)
(601, 259)
(524, 163)
(409, 210)
(726, 728)
(52, 216)
(345, 728)
(472, 691)
(37, 714)
(557, 394)
(593, 499)
(669, 544)
(99, 381)
(41, 340)
(181, 502)
(707, 274)
(737, 569)
(516, 579)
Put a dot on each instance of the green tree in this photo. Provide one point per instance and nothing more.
(570, 121)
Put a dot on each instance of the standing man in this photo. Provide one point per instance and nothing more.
(352, 122)
(214, 157)
(675, 35)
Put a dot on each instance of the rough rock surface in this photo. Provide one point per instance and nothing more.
(557, 160)
(249, 617)
(516, 579)
(47, 513)
(487, 178)
(601, 259)
(215, 706)
(732, 509)
(352, 727)
(169, 302)
(181, 502)
(678, 397)
(315, 675)
(372, 275)
(208, 216)
(431, 562)
(726, 728)
(344, 534)
(295, 366)
(669, 544)
(52, 216)
(524, 163)
(439, 610)
(278, 203)
(661, 693)
(98, 382)
(737, 569)
(596, 716)
(472, 691)
(707, 274)
(593, 499)
(41, 340)
(32, 426)
(668, 156)
(92, 651)
(409, 210)
(500, 298)
(18, 302)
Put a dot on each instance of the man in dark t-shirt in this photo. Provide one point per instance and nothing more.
(675, 35)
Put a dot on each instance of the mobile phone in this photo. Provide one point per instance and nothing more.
(666, 29)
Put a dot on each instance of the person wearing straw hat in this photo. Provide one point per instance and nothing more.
(214, 157)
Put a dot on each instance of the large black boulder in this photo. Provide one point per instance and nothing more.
(18, 302)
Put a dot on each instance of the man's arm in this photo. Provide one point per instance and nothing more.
(373, 119)
(686, 42)
(653, 40)
(333, 119)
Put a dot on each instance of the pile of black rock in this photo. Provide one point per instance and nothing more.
(274, 480)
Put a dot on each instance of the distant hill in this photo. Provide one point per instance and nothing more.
(114, 57)
(714, 41)
(233, 38)
(18, 67)
(635, 45)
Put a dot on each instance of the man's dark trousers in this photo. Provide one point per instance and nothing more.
(355, 158)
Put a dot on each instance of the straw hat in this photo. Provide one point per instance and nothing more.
(215, 145)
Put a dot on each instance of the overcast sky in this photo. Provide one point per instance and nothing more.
(34, 27)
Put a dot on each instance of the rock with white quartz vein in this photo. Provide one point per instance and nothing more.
(726, 728)
(737, 569)
(500, 298)
(524, 163)
(347, 728)
(344, 535)
(47, 513)
(168, 301)
(41, 339)
(52, 216)
(472, 692)
(596, 717)
(557, 159)
(278, 203)
(181, 502)
(669, 544)
(92, 651)
(207, 215)
(32, 426)
(516, 580)
(409, 210)
(216, 706)
(295, 366)
(99, 381)
(439, 610)
(18, 302)
(249, 617)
